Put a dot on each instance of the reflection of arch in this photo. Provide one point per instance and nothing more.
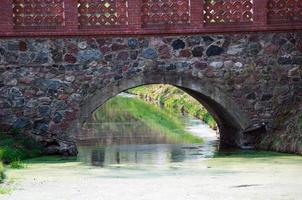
(230, 119)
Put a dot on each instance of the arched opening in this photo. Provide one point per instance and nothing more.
(231, 122)
(156, 123)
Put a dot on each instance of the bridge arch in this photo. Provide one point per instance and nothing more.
(232, 122)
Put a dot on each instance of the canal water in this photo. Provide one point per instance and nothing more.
(129, 159)
(136, 143)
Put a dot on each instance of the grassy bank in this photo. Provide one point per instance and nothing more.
(123, 109)
(3, 190)
(2, 176)
(174, 99)
(15, 147)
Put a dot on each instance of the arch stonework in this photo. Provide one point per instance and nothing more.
(224, 110)
(251, 83)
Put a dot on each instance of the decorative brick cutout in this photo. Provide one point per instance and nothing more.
(228, 11)
(284, 11)
(161, 12)
(95, 13)
(38, 13)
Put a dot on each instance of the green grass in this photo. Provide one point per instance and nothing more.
(17, 164)
(2, 175)
(15, 146)
(123, 109)
(5, 190)
(175, 99)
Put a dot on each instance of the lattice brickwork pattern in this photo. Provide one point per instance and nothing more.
(228, 11)
(159, 12)
(284, 11)
(94, 13)
(38, 13)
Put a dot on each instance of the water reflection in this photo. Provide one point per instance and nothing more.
(99, 134)
(130, 139)
(141, 154)
(143, 147)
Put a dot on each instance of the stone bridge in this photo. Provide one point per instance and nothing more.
(250, 83)
(62, 59)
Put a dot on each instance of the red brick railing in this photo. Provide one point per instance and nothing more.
(131, 17)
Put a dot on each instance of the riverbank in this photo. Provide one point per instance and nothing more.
(2, 175)
(14, 148)
(125, 110)
(172, 98)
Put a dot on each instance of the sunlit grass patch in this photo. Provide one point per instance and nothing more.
(17, 164)
(175, 99)
(2, 175)
(123, 109)
(4, 190)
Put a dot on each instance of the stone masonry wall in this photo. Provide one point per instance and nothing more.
(44, 82)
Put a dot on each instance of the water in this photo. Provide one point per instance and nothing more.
(145, 147)
(133, 159)
(139, 143)
(148, 163)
